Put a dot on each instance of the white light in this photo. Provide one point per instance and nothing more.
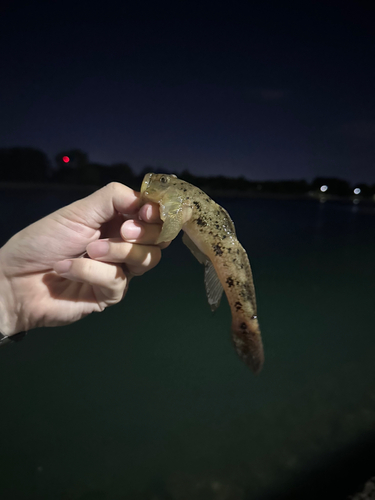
(357, 191)
(324, 188)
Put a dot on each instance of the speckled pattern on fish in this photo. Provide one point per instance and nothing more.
(210, 235)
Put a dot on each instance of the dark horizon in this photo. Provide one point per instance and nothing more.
(73, 168)
(53, 166)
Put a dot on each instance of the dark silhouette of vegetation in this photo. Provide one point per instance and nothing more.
(366, 190)
(337, 187)
(23, 165)
(279, 187)
(73, 168)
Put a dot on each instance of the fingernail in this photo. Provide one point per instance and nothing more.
(149, 212)
(130, 231)
(63, 266)
(98, 249)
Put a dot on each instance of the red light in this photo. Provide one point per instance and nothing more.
(66, 159)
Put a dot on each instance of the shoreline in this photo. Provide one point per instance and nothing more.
(218, 193)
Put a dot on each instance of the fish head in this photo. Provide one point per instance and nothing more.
(154, 186)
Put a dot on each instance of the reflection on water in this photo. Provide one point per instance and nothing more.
(148, 400)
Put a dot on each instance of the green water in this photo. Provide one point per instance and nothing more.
(148, 400)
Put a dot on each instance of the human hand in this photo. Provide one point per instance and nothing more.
(45, 279)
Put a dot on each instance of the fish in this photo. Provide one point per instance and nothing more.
(210, 235)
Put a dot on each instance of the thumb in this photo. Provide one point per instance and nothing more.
(103, 205)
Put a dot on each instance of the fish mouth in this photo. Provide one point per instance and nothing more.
(145, 184)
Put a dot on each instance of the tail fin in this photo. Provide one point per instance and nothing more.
(248, 342)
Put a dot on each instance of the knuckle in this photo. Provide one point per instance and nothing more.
(119, 280)
(85, 265)
(114, 186)
(150, 260)
(153, 257)
(116, 286)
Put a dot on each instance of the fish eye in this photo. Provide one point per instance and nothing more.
(164, 179)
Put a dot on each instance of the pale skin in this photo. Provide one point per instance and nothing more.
(77, 260)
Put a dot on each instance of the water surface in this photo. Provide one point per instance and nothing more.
(148, 399)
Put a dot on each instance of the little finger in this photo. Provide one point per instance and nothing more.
(110, 278)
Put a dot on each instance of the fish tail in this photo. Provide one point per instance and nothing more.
(248, 342)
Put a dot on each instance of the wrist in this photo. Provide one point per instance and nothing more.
(8, 311)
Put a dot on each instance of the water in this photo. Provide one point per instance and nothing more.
(148, 399)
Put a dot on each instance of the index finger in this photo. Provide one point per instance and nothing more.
(103, 205)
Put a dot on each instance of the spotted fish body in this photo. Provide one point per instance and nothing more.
(210, 235)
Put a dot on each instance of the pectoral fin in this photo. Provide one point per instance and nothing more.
(200, 256)
(171, 214)
(214, 289)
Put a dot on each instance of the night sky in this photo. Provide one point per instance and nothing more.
(268, 90)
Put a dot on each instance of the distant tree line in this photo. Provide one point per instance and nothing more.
(72, 167)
